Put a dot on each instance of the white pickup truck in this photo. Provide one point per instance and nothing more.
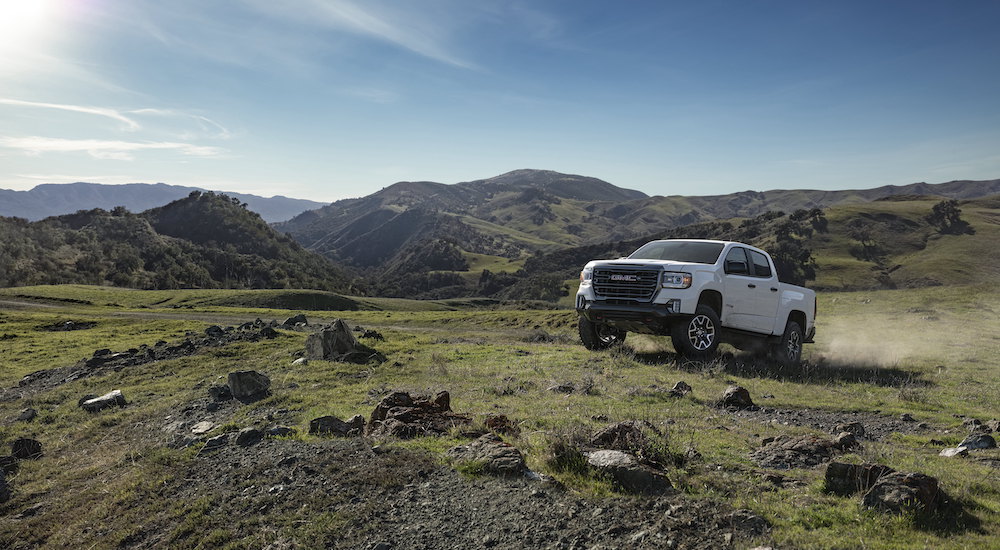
(701, 293)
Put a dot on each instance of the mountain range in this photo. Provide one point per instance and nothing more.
(53, 199)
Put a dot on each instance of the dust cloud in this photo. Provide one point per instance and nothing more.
(877, 341)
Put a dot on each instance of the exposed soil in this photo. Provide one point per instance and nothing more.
(876, 426)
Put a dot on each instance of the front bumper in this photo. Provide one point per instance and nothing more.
(633, 317)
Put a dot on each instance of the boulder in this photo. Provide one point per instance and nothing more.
(628, 473)
(220, 393)
(202, 427)
(248, 436)
(496, 457)
(847, 479)
(27, 415)
(106, 401)
(681, 388)
(249, 385)
(785, 451)
(331, 425)
(336, 342)
(25, 449)
(401, 415)
(623, 436)
(215, 331)
(295, 319)
(900, 492)
(845, 441)
(979, 441)
(736, 396)
(954, 451)
(214, 444)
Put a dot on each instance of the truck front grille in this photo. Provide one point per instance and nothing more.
(629, 284)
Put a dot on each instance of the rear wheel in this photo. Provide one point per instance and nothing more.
(698, 336)
(597, 336)
(789, 351)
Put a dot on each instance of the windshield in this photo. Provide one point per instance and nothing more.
(679, 251)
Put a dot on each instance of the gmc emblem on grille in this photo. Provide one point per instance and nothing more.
(626, 278)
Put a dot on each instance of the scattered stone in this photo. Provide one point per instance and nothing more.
(954, 451)
(85, 398)
(215, 331)
(847, 479)
(68, 325)
(248, 436)
(106, 401)
(624, 436)
(994, 425)
(27, 415)
(214, 444)
(499, 423)
(294, 320)
(401, 415)
(497, 457)
(845, 441)
(736, 396)
(202, 427)
(628, 473)
(26, 449)
(336, 343)
(248, 386)
(280, 431)
(979, 441)
(855, 428)
(681, 388)
(907, 417)
(300, 361)
(785, 451)
(374, 335)
(972, 424)
(899, 492)
(220, 393)
(566, 387)
(331, 425)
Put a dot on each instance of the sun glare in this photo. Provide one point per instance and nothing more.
(22, 23)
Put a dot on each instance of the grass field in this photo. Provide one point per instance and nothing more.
(933, 353)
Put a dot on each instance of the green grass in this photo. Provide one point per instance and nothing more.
(933, 353)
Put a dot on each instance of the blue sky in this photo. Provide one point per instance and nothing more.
(332, 99)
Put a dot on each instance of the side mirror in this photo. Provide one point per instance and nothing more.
(737, 268)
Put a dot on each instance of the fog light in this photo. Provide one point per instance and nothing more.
(673, 306)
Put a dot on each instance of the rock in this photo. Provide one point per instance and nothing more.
(331, 425)
(337, 343)
(627, 473)
(202, 427)
(300, 361)
(214, 444)
(295, 319)
(954, 451)
(401, 415)
(374, 335)
(25, 449)
(979, 441)
(212, 406)
(845, 441)
(249, 385)
(248, 436)
(736, 396)
(847, 479)
(27, 415)
(8, 465)
(280, 431)
(899, 492)
(499, 423)
(220, 393)
(804, 451)
(623, 436)
(972, 424)
(565, 387)
(856, 428)
(497, 457)
(215, 331)
(106, 401)
(681, 388)
(993, 425)
(907, 417)
(85, 398)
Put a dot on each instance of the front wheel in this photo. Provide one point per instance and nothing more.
(598, 336)
(789, 351)
(698, 336)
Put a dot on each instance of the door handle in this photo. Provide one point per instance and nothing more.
(773, 289)
(751, 285)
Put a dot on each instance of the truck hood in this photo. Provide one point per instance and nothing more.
(666, 265)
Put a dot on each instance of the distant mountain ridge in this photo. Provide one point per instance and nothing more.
(54, 199)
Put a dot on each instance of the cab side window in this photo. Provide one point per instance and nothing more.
(736, 262)
(761, 267)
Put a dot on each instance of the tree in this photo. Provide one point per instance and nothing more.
(947, 217)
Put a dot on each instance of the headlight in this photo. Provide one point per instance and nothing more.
(586, 275)
(673, 279)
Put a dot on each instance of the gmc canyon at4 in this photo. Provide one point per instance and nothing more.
(701, 293)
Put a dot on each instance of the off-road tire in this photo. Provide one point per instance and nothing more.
(789, 351)
(598, 336)
(698, 336)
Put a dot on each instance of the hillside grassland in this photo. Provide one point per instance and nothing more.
(110, 479)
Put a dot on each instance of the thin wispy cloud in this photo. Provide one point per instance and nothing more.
(130, 124)
(208, 127)
(102, 149)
